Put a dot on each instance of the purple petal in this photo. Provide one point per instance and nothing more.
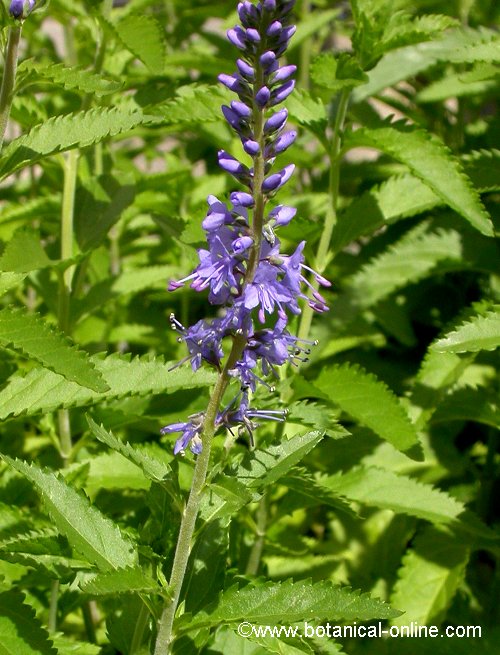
(237, 37)
(282, 74)
(274, 29)
(262, 96)
(282, 214)
(241, 109)
(284, 141)
(242, 198)
(251, 147)
(276, 121)
(245, 69)
(253, 35)
(282, 92)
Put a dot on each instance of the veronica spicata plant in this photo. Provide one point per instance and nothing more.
(243, 267)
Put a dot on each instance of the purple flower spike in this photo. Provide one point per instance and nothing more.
(243, 267)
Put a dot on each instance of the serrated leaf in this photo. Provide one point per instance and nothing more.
(481, 332)
(24, 253)
(258, 469)
(67, 646)
(468, 404)
(145, 38)
(194, 103)
(306, 110)
(370, 402)
(304, 484)
(91, 534)
(29, 334)
(43, 391)
(99, 203)
(428, 580)
(410, 259)
(62, 133)
(22, 632)
(69, 78)
(152, 468)
(398, 197)
(455, 86)
(264, 467)
(483, 168)
(10, 281)
(460, 46)
(337, 73)
(272, 603)
(125, 580)
(384, 489)
(430, 160)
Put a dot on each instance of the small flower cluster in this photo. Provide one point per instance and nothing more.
(242, 268)
(21, 8)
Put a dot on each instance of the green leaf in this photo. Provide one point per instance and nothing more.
(67, 646)
(260, 468)
(10, 281)
(194, 103)
(152, 468)
(43, 391)
(430, 160)
(69, 78)
(62, 133)
(22, 632)
(43, 552)
(145, 38)
(93, 535)
(459, 46)
(24, 253)
(99, 203)
(483, 168)
(398, 197)
(384, 489)
(370, 402)
(481, 332)
(410, 259)
(469, 404)
(304, 484)
(123, 581)
(32, 336)
(307, 111)
(456, 86)
(288, 602)
(428, 580)
(337, 73)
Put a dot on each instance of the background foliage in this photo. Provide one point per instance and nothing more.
(385, 475)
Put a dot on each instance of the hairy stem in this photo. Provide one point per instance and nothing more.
(54, 598)
(188, 522)
(331, 216)
(9, 79)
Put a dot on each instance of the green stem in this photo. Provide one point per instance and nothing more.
(331, 216)
(488, 476)
(258, 545)
(9, 79)
(140, 626)
(54, 598)
(305, 49)
(88, 620)
(188, 522)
